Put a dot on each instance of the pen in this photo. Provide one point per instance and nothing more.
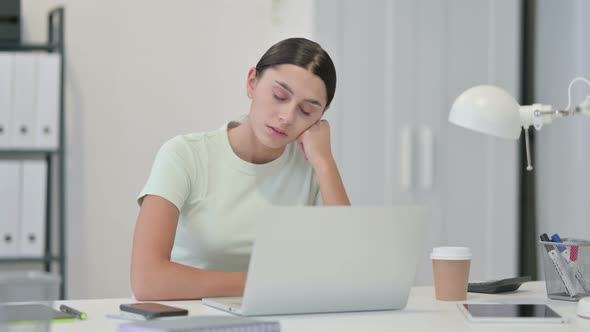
(554, 257)
(565, 252)
(72, 311)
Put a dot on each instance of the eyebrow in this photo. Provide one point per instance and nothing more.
(286, 87)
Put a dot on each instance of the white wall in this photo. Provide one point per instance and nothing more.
(562, 153)
(137, 73)
(401, 65)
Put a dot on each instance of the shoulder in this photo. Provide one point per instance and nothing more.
(190, 145)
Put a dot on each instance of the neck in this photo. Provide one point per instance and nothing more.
(247, 147)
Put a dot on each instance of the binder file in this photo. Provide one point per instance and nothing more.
(24, 100)
(33, 203)
(47, 106)
(6, 60)
(10, 176)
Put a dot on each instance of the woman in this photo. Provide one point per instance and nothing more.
(195, 228)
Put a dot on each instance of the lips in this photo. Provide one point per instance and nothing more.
(277, 131)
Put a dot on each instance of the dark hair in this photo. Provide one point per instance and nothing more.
(303, 53)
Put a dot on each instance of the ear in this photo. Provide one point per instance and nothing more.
(251, 82)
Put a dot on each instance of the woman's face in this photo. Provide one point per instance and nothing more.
(286, 101)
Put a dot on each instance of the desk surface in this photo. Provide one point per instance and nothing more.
(423, 313)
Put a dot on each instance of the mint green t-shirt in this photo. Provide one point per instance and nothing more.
(220, 195)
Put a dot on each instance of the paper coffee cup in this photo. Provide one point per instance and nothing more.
(450, 267)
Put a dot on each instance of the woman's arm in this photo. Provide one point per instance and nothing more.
(331, 185)
(315, 145)
(155, 277)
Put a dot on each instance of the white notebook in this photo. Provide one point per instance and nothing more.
(203, 324)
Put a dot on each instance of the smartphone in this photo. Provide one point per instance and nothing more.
(153, 310)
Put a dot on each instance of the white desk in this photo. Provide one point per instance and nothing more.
(423, 313)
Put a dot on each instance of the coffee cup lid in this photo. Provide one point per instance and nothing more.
(451, 253)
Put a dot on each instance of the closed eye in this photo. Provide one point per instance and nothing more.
(278, 98)
(304, 112)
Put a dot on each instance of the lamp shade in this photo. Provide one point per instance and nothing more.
(489, 110)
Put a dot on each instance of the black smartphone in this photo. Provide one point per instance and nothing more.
(153, 310)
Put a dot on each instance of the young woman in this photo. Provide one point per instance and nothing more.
(195, 228)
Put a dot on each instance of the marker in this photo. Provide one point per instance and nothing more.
(565, 252)
(72, 311)
(552, 253)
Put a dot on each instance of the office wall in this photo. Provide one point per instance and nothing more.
(138, 73)
(402, 64)
(562, 155)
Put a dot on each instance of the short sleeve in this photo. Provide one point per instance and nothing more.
(317, 200)
(170, 177)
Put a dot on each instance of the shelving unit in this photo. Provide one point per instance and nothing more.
(55, 158)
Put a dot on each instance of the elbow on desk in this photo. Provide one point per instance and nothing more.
(140, 289)
(144, 285)
(142, 293)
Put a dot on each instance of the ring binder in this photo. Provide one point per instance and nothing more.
(31, 128)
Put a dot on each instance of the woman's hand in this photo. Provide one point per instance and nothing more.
(315, 144)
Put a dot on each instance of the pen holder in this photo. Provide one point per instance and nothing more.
(566, 267)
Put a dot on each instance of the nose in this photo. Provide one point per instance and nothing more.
(287, 114)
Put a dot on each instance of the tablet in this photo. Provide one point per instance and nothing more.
(27, 313)
(510, 313)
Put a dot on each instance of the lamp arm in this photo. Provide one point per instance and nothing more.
(538, 115)
(569, 94)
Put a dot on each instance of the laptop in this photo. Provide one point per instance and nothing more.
(330, 259)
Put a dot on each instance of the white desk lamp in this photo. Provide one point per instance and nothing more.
(493, 111)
